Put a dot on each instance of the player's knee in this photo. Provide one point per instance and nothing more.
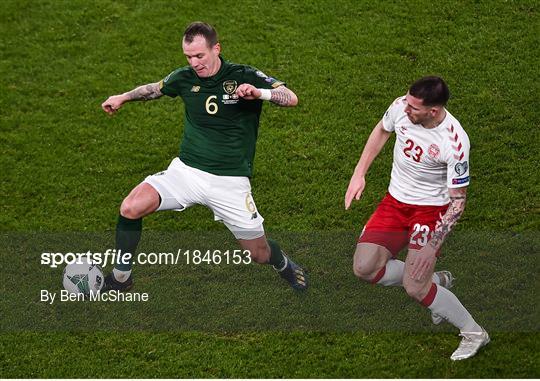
(363, 268)
(129, 209)
(358, 270)
(368, 260)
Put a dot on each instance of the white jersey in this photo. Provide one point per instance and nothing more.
(426, 161)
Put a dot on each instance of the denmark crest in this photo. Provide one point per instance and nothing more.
(434, 151)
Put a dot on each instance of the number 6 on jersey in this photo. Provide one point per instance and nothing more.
(211, 107)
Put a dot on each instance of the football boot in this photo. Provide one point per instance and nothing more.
(112, 284)
(293, 274)
(470, 344)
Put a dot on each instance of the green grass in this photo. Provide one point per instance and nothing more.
(66, 167)
(246, 298)
(270, 355)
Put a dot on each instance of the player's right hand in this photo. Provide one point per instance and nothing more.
(112, 104)
(355, 189)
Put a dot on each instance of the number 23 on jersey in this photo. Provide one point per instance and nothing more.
(413, 151)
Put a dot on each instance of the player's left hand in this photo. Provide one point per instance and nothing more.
(424, 262)
(247, 91)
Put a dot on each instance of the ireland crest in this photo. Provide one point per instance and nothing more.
(230, 86)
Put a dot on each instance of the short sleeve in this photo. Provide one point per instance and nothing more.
(458, 160)
(258, 79)
(391, 114)
(170, 84)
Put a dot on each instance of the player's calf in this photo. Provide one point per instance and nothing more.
(260, 252)
(269, 252)
(417, 289)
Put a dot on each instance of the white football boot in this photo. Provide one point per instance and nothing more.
(446, 281)
(471, 342)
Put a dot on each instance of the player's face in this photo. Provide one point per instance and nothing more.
(417, 112)
(202, 58)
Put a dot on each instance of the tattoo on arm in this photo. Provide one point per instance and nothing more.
(450, 218)
(281, 96)
(145, 92)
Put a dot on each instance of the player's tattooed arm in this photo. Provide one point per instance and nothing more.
(280, 96)
(283, 96)
(458, 197)
(141, 93)
(144, 92)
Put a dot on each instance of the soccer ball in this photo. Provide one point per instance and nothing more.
(83, 278)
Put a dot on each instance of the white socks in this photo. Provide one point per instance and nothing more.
(447, 305)
(121, 276)
(393, 275)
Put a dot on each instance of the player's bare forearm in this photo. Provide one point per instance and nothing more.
(458, 197)
(376, 141)
(141, 93)
(144, 93)
(283, 96)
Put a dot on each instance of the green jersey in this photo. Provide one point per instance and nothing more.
(220, 129)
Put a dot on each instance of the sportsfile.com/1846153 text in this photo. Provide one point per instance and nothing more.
(180, 257)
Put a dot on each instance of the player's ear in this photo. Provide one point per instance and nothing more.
(217, 48)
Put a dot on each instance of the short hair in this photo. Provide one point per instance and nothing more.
(203, 29)
(432, 90)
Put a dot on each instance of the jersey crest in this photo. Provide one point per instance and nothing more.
(230, 86)
(434, 151)
(230, 97)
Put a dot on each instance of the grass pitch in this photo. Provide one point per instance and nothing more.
(66, 166)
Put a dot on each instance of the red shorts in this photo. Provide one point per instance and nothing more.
(395, 225)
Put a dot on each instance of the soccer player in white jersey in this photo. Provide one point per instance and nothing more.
(426, 197)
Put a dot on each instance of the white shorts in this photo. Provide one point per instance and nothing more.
(229, 197)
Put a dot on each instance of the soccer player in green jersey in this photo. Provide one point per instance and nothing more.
(223, 103)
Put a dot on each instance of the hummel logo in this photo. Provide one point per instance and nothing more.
(195, 89)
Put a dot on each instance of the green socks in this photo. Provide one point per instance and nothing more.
(128, 234)
(277, 259)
